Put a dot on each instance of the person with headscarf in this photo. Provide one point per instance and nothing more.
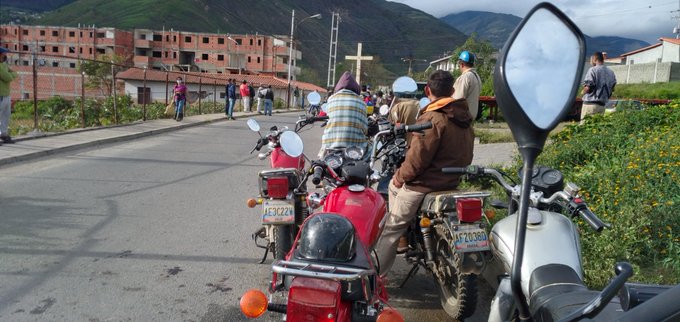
(347, 121)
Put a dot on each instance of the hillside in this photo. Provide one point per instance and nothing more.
(386, 29)
(496, 28)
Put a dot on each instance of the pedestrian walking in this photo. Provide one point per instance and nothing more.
(180, 98)
(6, 77)
(268, 101)
(598, 87)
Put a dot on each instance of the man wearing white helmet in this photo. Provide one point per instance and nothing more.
(468, 84)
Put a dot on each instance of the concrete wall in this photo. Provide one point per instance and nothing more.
(646, 73)
(644, 57)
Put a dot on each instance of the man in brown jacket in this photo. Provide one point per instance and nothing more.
(448, 143)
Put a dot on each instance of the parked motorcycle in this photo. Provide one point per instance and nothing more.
(536, 78)
(330, 275)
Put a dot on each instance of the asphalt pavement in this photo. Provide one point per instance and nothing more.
(38, 145)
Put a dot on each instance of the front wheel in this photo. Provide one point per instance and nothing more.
(283, 240)
(457, 291)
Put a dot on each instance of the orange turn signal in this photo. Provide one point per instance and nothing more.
(253, 303)
(425, 222)
(490, 213)
(251, 203)
(390, 315)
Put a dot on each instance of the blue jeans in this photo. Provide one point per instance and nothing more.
(268, 105)
(230, 107)
(179, 106)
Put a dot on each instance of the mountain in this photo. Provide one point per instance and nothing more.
(389, 30)
(497, 27)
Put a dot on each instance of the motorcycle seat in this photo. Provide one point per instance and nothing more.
(556, 291)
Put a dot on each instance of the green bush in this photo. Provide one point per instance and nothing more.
(628, 165)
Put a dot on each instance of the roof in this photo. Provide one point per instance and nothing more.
(441, 59)
(220, 78)
(640, 50)
(670, 40)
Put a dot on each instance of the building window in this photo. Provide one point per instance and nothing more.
(90, 34)
(258, 60)
(223, 95)
(55, 33)
(167, 38)
(24, 47)
(42, 49)
(42, 32)
(220, 57)
(71, 34)
(259, 42)
(80, 50)
(220, 41)
(55, 64)
(55, 49)
(249, 59)
(187, 39)
(204, 56)
(25, 32)
(206, 40)
(174, 38)
(156, 54)
(101, 51)
(90, 51)
(101, 35)
(251, 41)
(71, 50)
(72, 65)
(157, 37)
(25, 62)
(142, 37)
(174, 55)
(166, 54)
(239, 41)
(81, 34)
(26, 96)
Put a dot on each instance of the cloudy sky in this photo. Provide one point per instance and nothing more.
(639, 19)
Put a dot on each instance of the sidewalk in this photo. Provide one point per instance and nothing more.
(30, 147)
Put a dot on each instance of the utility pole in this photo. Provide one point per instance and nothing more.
(676, 30)
(333, 50)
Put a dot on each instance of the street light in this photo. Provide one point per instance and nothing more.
(290, 49)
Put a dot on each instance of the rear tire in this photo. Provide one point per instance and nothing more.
(283, 241)
(458, 293)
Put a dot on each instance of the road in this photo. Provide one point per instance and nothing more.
(154, 229)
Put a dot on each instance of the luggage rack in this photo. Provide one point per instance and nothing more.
(329, 272)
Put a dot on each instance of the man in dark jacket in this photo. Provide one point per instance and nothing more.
(449, 143)
(231, 99)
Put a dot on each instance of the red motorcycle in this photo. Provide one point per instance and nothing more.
(282, 198)
(329, 274)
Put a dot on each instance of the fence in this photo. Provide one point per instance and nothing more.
(43, 76)
(647, 73)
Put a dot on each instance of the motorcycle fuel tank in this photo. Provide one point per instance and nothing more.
(552, 240)
(365, 208)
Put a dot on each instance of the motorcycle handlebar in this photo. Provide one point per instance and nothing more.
(455, 170)
(591, 219)
(260, 143)
(318, 173)
(418, 127)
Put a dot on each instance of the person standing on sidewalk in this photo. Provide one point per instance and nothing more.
(260, 97)
(296, 94)
(231, 99)
(6, 77)
(598, 86)
(268, 100)
(468, 85)
(180, 91)
(245, 96)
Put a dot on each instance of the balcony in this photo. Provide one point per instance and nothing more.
(142, 43)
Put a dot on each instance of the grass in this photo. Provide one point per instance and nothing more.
(649, 91)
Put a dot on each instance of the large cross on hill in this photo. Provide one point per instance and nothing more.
(358, 58)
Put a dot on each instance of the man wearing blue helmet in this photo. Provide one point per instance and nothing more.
(468, 85)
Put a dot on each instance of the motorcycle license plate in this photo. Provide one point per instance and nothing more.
(470, 238)
(278, 212)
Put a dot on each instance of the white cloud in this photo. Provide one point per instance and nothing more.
(644, 20)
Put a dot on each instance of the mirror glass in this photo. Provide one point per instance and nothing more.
(314, 98)
(404, 84)
(253, 125)
(384, 110)
(324, 107)
(291, 143)
(424, 102)
(541, 65)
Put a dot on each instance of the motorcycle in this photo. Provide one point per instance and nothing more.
(282, 198)
(538, 248)
(330, 275)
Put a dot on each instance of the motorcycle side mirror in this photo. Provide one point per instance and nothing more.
(535, 79)
(314, 98)
(424, 102)
(384, 110)
(291, 143)
(253, 125)
(404, 84)
(537, 75)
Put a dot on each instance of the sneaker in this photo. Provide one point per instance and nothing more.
(7, 139)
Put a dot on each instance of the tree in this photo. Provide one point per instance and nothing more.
(485, 60)
(98, 71)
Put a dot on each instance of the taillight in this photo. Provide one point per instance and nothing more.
(277, 187)
(313, 300)
(469, 209)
